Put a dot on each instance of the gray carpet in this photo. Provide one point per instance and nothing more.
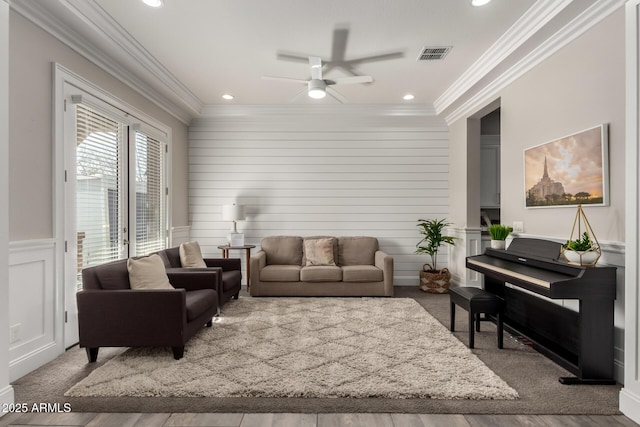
(534, 377)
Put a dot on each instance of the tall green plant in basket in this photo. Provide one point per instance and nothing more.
(431, 279)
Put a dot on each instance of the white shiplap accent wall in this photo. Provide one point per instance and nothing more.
(306, 170)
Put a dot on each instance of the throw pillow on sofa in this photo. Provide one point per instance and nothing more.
(148, 273)
(319, 252)
(191, 256)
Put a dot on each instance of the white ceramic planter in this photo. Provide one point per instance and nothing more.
(498, 244)
(581, 257)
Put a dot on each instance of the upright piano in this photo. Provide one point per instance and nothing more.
(582, 341)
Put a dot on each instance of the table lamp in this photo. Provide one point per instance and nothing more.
(234, 213)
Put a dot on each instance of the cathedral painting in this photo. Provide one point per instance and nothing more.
(569, 171)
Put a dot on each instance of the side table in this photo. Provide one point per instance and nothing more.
(247, 248)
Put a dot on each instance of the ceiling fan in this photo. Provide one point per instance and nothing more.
(317, 87)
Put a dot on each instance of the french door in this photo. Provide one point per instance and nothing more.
(115, 193)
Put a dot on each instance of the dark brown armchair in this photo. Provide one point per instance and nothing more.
(230, 279)
(111, 314)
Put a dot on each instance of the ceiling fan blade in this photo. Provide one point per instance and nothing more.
(339, 46)
(337, 96)
(285, 79)
(316, 67)
(295, 98)
(374, 58)
(352, 80)
(288, 56)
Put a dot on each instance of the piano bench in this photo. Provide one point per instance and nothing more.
(476, 301)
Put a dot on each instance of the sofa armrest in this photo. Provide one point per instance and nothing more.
(227, 264)
(192, 279)
(131, 317)
(257, 262)
(385, 262)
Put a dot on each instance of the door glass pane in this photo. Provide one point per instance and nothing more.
(150, 206)
(98, 191)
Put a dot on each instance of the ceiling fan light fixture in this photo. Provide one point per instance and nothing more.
(154, 3)
(317, 89)
(478, 3)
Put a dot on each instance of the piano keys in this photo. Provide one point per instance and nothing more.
(582, 341)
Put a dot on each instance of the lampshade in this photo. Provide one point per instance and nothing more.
(233, 212)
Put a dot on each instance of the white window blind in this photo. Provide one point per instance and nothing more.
(151, 231)
(98, 192)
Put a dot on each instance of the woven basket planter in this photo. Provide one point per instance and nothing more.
(434, 281)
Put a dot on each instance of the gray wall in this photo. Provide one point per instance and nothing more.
(30, 112)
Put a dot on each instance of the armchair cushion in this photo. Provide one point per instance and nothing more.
(191, 255)
(148, 273)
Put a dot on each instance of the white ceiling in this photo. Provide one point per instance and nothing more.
(191, 52)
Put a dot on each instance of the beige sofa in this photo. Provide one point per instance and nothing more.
(347, 266)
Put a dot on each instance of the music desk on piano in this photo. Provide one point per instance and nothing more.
(581, 342)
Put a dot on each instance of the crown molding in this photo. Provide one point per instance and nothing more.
(323, 116)
(524, 28)
(381, 110)
(91, 14)
(578, 26)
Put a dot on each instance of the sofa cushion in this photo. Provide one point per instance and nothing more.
(197, 302)
(335, 247)
(191, 256)
(282, 250)
(357, 250)
(362, 273)
(148, 273)
(280, 273)
(171, 257)
(318, 252)
(321, 273)
(111, 276)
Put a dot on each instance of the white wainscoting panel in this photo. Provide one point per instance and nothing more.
(300, 170)
(34, 312)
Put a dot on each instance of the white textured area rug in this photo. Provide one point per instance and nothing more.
(307, 347)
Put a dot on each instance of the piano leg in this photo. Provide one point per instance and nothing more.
(596, 344)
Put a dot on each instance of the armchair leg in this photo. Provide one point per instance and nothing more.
(210, 323)
(178, 352)
(237, 294)
(92, 354)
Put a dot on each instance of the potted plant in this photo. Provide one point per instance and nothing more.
(581, 251)
(499, 234)
(431, 279)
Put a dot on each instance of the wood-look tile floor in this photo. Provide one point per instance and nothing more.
(309, 420)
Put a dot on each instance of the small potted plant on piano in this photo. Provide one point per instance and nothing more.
(581, 251)
(431, 279)
(499, 235)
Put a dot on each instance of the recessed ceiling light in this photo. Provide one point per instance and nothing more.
(479, 2)
(227, 97)
(154, 3)
(408, 97)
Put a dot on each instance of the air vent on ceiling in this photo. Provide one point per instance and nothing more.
(431, 53)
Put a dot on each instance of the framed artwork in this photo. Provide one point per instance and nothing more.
(569, 171)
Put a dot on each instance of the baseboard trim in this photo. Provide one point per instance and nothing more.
(630, 404)
(6, 398)
(31, 361)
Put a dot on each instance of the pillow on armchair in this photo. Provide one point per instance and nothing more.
(191, 256)
(148, 273)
